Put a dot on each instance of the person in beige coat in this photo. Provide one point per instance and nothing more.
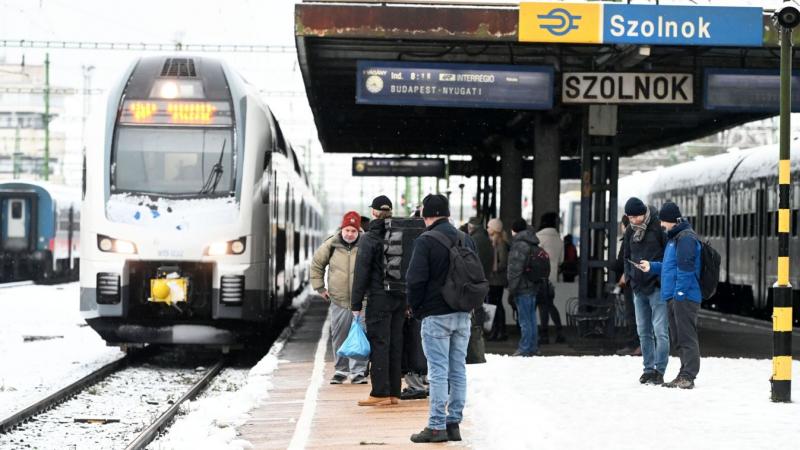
(338, 255)
(550, 241)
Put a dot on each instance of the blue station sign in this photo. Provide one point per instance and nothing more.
(682, 25)
(746, 90)
(454, 85)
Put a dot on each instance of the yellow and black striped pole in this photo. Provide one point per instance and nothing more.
(782, 290)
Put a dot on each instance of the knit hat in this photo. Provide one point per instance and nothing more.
(519, 225)
(351, 219)
(635, 207)
(435, 205)
(382, 203)
(669, 212)
(495, 225)
(548, 220)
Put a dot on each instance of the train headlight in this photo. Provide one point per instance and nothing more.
(236, 247)
(111, 245)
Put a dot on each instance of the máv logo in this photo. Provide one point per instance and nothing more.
(560, 21)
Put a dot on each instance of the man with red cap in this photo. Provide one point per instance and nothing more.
(338, 254)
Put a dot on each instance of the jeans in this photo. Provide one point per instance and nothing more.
(341, 319)
(683, 327)
(652, 323)
(445, 339)
(526, 312)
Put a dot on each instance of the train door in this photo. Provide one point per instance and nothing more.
(16, 224)
(762, 229)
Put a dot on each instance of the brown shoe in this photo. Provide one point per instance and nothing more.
(375, 401)
(395, 400)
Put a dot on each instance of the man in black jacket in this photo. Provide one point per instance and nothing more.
(385, 313)
(445, 331)
(645, 240)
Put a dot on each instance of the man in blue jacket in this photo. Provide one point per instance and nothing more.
(445, 331)
(680, 272)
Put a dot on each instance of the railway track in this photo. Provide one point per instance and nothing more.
(112, 406)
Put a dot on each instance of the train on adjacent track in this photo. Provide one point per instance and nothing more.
(199, 222)
(732, 202)
(39, 231)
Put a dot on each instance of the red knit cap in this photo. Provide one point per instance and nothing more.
(351, 219)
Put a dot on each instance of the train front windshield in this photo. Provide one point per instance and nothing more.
(174, 161)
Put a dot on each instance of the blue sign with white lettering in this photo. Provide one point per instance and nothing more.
(682, 25)
(454, 85)
(747, 90)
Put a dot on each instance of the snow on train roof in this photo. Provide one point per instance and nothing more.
(704, 172)
(763, 162)
(59, 192)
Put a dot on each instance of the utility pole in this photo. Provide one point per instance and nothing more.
(16, 150)
(786, 18)
(46, 167)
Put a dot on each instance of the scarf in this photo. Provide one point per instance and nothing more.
(638, 230)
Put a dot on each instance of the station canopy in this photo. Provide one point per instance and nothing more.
(432, 78)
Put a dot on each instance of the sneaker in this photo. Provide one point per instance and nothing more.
(453, 432)
(428, 435)
(646, 377)
(359, 379)
(338, 378)
(656, 378)
(375, 401)
(413, 394)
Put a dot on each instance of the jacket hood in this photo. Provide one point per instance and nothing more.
(527, 236)
(378, 225)
(678, 228)
(549, 232)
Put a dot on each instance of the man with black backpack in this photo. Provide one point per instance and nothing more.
(385, 313)
(528, 270)
(445, 281)
(680, 288)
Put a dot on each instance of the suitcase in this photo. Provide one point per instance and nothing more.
(398, 244)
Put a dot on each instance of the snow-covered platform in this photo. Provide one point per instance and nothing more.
(304, 411)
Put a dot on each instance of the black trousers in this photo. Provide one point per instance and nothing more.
(499, 322)
(683, 331)
(385, 334)
(547, 309)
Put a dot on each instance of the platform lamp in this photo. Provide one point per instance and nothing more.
(785, 18)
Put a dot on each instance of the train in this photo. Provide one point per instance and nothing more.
(731, 201)
(39, 232)
(199, 221)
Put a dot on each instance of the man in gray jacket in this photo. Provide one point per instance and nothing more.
(523, 285)
(338, 254)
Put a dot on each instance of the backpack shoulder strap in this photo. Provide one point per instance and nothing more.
(440, 238)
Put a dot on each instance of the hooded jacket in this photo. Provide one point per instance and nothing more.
(369, 272)
(484, 248)
(551, 242)
(650, 248)
(340, 259)
(680, 270)
(428, 269)
(521, 246)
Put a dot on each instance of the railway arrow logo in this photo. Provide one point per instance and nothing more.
(559, 21)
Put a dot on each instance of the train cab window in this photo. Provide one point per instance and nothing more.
(16, 210)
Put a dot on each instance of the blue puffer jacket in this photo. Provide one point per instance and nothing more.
(680, 270)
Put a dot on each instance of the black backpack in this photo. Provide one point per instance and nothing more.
(465, 286)
(397, 248)
(538, 265)
(710, 261)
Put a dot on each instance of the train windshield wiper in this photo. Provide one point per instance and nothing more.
(210, 185)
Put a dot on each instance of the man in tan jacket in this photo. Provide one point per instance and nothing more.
(338, 254)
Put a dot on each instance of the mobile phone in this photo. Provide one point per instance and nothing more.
(635, 264)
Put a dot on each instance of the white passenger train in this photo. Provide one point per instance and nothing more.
(198, 220)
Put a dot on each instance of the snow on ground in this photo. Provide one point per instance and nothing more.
(597, 402)
(210, 422)
(30, 370)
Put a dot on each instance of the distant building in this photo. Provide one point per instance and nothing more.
(22, 135)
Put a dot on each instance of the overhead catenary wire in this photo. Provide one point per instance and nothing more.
(147, 46)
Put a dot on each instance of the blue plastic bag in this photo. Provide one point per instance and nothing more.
(356, 346)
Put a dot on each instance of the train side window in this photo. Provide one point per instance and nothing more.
(794, 222)
(753, 225)
(16, 210)
(768, 225)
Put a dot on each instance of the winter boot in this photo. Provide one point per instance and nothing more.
(453, 432)
(646, 377)
(375, 401)
(428, 435)
(338, 378)
(656, 378)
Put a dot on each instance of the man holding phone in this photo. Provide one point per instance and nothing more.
(644, 240)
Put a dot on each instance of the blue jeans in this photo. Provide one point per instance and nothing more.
(526, 312)
(444, 340)
(652, 323)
